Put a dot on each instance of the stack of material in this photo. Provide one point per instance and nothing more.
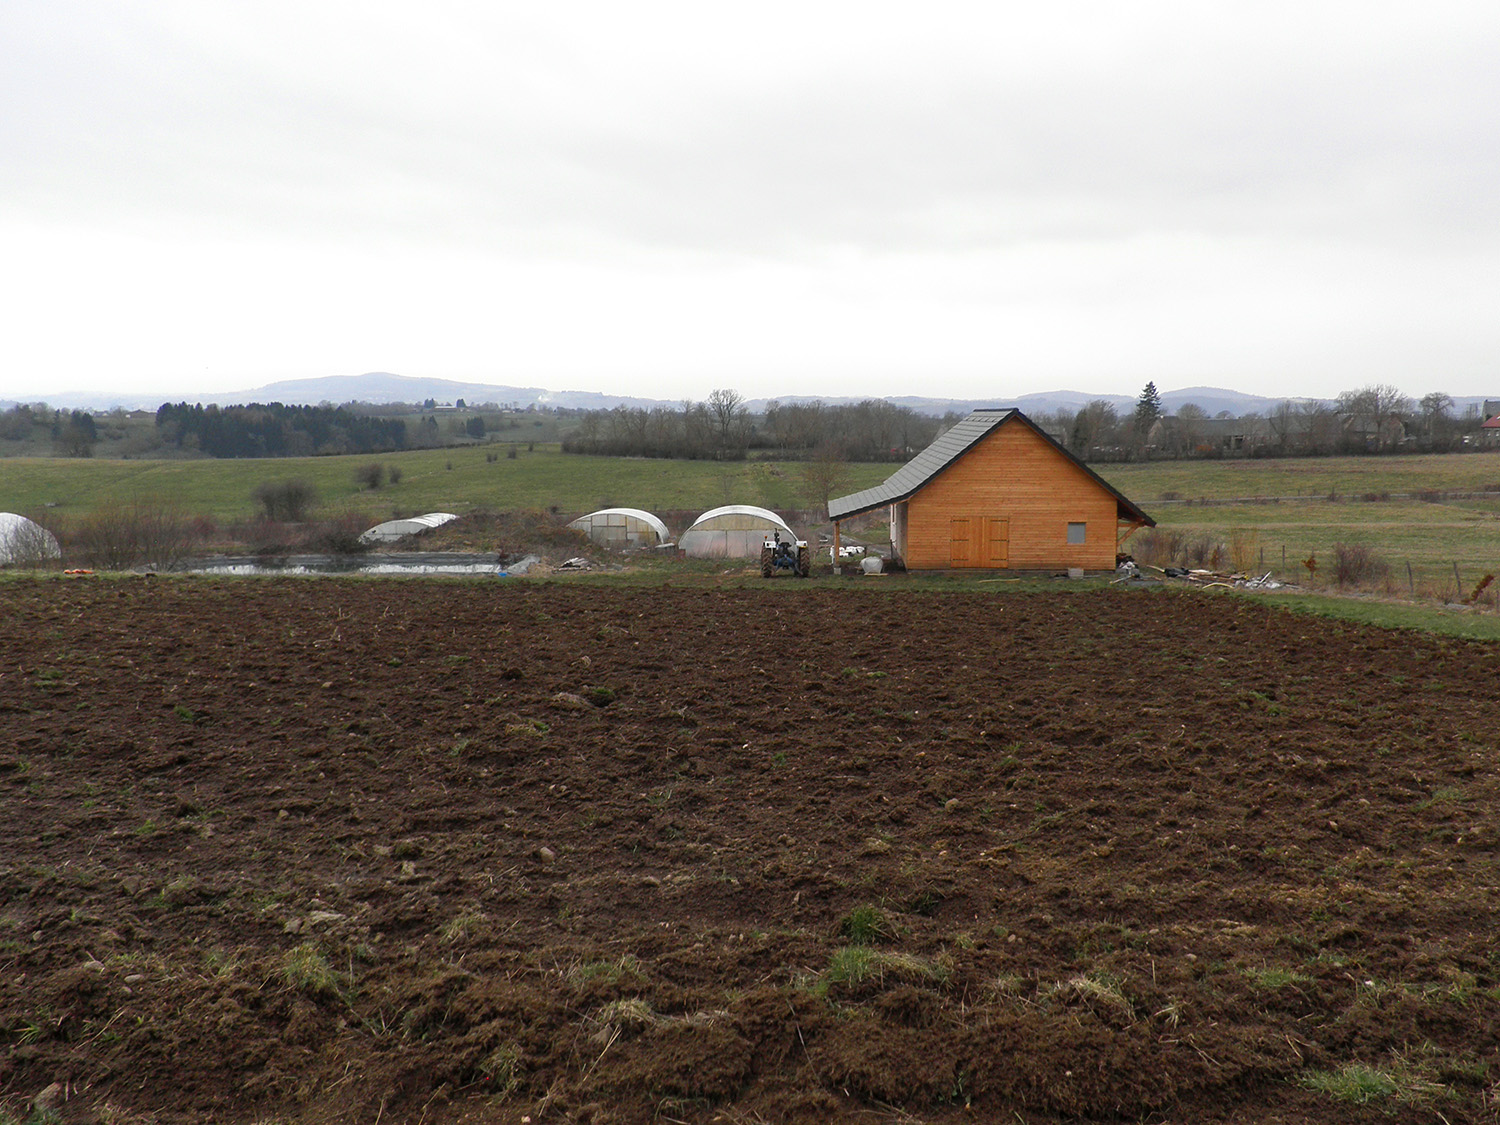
(1207, 578)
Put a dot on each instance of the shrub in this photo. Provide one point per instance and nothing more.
(393, 474)
(144, 531)
(286, 500)
(1355, 564)
(1242, 547)
(264, 537)
(338, 536)
(1156, 546)
(370, 476)
(1203, 552)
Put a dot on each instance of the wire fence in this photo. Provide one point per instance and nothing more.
(1338, 567)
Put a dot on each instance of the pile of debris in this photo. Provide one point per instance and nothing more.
(1130, 573)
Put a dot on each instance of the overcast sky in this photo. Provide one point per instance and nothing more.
(960, 199)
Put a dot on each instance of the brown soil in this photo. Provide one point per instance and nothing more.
(348, 851)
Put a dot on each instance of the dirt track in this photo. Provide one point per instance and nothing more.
(327, 851)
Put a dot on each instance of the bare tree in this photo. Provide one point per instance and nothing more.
(1370, 416)
(1093, 426)
(1376, 400)
(726, 409)
(825, 475)
(1437, 421)
(1320, 428)
(1285, 425)
(1190, 419)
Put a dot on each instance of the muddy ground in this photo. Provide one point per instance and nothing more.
(321, 850)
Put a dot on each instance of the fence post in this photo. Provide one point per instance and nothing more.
(1458, 582)
(1411, 583)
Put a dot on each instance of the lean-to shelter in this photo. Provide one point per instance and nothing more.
(997, 492)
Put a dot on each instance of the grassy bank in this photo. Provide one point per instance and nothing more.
(1310, 477)
(453, 480)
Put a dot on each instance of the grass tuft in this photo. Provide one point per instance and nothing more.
(854, 965)
(308, 970)
(866, 925)
(502, 1068)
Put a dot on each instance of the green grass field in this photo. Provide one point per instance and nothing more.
(1429, 537)
(1302, 476)
(453, 480)
(1321, 502)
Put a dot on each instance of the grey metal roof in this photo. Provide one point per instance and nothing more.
(947, 449)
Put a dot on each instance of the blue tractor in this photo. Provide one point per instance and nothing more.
(777, 556)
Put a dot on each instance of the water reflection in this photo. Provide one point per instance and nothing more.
(414, 564)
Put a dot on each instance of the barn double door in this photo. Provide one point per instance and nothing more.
(982, 541)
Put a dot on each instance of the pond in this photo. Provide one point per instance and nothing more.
(413, 563)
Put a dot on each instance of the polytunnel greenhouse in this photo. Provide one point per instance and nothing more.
(735, 531)
(392, 530)
(622, 528)
(25, 542)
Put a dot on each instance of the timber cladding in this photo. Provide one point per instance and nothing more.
(1008, 502)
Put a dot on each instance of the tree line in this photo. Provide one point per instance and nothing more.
(73, 432)
(722, 428)
(1373, 419)
(276, 430)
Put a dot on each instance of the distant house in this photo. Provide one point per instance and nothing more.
(1281, 434)
(997, 492)
(1217, 437)
(1372, 431)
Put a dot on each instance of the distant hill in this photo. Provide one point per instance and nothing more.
(378, 387)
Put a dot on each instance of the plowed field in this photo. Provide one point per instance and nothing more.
(356, 851)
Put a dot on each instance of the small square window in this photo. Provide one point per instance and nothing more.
(1076, 532)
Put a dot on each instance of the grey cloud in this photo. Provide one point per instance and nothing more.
(513, 155)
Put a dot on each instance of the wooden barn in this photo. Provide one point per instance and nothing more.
(996, 492)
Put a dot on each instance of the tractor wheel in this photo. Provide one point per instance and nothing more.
(804, 562)
(766, 568)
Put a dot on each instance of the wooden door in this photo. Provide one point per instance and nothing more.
(960, 549)
(979, 541)
(996, 543)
